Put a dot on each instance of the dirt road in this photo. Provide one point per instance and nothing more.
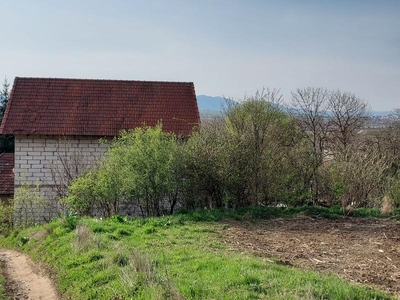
(25, 280)
(362, 251)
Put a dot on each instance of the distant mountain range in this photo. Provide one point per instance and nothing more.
(215, 104)
(210, 103)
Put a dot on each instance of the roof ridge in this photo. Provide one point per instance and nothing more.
(102, 79)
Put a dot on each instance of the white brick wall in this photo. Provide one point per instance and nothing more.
(37, 158)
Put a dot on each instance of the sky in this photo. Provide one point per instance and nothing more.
(227, 48)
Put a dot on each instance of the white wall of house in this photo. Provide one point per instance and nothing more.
(39, 159)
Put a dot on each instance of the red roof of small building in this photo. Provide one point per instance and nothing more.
(54, 106)
(6, 173)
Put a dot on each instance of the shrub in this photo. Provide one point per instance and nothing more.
(394, 189)
(29, 205)
(6, 216)
(138, 170)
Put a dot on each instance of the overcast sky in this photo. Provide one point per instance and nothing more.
(227, 48)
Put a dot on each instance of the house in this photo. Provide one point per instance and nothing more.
(6, 176)
(57, 124)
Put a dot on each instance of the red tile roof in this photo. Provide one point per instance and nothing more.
(6, 174)
(54, 106)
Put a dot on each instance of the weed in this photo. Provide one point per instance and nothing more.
(150, 230)
(22, 241)
(95, 256)
(122, 232)
(118, 219)
(101, 278)
(83, 238)
(70, 220)
(113, 237)
(121, 259)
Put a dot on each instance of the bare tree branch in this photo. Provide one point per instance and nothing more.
(348, 115)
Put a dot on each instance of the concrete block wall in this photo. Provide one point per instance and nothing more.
(37, 155)
(38, 160)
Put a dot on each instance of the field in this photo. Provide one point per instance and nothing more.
(218, 255)
(363, 251)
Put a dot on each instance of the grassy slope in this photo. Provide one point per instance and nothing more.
(3, 293)
(176, 257)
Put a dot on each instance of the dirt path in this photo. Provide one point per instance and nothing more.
(363, 251)
(25, 280)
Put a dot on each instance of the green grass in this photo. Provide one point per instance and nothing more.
(3, 293)
(179, 257)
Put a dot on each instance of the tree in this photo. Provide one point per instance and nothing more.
(255, 124)
(329, 121)
(4, 98)
(6, 141)
(348, 115)
(359, 179)
(147, 158)
(310, 107)
(202, 157)
(390, 136)
(388, 142)
(250, 157)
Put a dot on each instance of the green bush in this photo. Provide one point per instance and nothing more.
(29, 205)
(6, 216)
(138, 170)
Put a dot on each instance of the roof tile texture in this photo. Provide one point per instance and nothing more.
(6, 173)
(54, 106)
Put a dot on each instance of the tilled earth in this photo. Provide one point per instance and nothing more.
(363, 251)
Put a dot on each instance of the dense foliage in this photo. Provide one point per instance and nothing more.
(249, 158)
(137, 175)
(256, 154)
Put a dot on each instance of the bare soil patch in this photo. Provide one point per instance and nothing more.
(362, 251)
(25, 280)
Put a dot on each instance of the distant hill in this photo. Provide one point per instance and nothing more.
(210, 103)
(381, 113)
